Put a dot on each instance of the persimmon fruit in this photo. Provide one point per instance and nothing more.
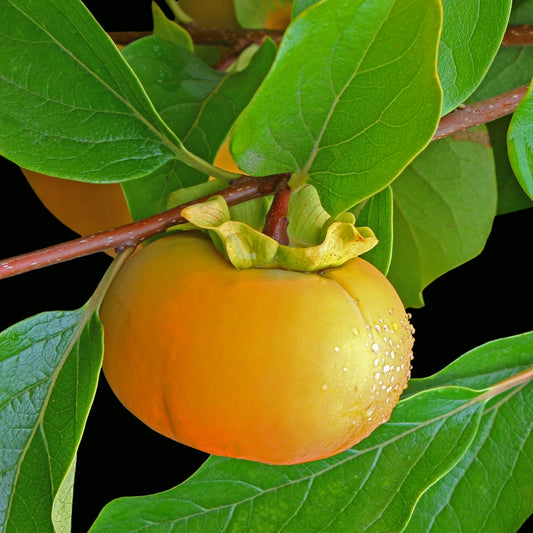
(268, 365)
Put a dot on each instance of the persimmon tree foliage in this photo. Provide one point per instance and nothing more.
(412, 117)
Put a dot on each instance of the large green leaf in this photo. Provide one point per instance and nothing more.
(49, 367)
(471, 35)
(444, 206)
(370, 488)
(71, 106)
(351, 98)
(520, 143)
(198, 103)
(522, 12)
(512, 67)
(495, 477)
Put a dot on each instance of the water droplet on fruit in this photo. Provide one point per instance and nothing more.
(336, 348)
(395, 326)
(345, 369)
(325, 387)
(355, 331)
(375, 347)
(386, 369)
(377, 327)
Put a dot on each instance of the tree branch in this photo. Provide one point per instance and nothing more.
(480, 112)
(276, 220)
(243, 189)
(211, 36)
(518, 35)
(515, 35)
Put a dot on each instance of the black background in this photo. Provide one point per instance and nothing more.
(487, 298)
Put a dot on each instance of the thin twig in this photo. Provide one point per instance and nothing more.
(130, 235)
(210, 36)
(480, 112)
(245, 188)
(518, 35)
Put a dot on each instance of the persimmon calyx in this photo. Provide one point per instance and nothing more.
(246, 247)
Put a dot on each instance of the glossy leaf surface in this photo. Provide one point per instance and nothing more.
(496, 475)
(444, 206)
(349, 103)
(49, 366)
(198, 103)
(471, 35)
(100, 125)
(512, 68)
(520, 143)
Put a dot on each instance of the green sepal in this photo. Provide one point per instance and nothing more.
(246, 247)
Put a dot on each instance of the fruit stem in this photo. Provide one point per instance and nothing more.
(277, 222)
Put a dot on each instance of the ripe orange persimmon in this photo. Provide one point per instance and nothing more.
(268, 365)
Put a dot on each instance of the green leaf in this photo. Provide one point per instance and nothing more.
(198, 103)
(347, 103)
(481, 368)
(471, 35)
(522, 12)
(512, 67)
(168, 30)
(520, 143)
(49, 367)
(376, 213)
(511, 196)
(71, 106)
(444, 206)
(371, 488)
(495, 477)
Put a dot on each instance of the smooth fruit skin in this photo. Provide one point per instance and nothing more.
(268, 365)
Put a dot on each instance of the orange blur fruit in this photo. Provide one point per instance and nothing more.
(268, 365)
(219, 14)
(279, 18)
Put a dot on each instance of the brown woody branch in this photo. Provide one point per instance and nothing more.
(243, 189)
(480, 112)
(518, 35)
(211, 36)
